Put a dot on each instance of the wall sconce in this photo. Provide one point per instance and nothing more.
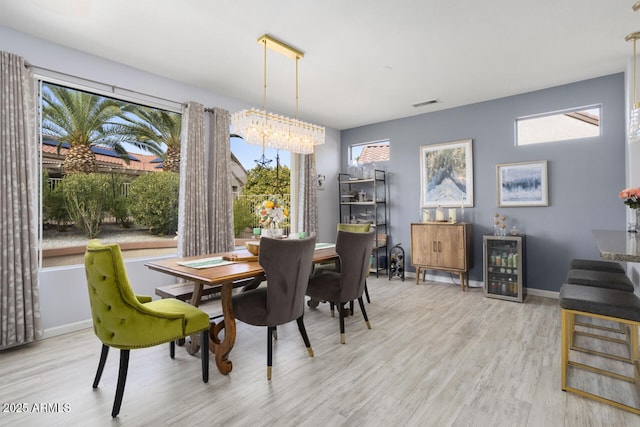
(321, 179)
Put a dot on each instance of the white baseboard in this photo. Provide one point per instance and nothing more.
(65, 329)
(543, 293)
(477, 284)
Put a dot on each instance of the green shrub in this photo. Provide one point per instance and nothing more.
(84, 196)
(153, 202)
(117, 202)
(53, 206)
(243, 216)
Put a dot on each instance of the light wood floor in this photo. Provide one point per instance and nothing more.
(434, 357)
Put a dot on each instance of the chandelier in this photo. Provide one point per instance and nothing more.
(260, 127)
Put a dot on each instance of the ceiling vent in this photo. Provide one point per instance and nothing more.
(429, 102)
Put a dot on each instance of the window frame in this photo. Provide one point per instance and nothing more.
(566, 111)
(44, 76)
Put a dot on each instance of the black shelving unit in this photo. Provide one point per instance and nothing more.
(364, 200)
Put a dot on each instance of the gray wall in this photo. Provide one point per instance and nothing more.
(585, 176)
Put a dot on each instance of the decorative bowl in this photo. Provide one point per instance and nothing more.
(253, 246)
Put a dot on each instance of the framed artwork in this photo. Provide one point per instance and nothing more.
(522, 184)
(446, 174)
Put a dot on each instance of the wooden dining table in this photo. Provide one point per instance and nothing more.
(224, 275)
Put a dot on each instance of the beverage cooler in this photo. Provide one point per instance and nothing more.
(504, 267)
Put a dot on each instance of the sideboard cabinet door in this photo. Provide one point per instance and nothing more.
(442, 246)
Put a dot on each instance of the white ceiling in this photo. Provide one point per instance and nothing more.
(365, 61)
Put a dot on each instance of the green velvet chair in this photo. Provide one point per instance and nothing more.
(354, 228)
(127, 321)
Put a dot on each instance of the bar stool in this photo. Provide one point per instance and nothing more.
(600, 279)
(596, 265)
(603, 274)
(607, 304)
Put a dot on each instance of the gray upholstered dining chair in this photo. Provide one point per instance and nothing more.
(346, 284)
(333, 264)
(287, 265)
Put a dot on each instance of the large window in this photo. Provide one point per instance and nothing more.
(110, 170)
(267, 176)
(576, 123)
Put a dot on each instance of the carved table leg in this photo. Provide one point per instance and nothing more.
(223, 348)
(193, 345)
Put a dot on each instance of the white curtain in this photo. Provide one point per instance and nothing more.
(20, 320)
(206, 198)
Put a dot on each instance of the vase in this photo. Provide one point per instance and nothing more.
(276, 231)
(633, 225)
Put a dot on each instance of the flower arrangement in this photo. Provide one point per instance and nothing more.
(631, 196)
(271, 211)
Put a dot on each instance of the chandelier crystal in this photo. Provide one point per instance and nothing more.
(634, 126)
(273, 130)
(261, 127)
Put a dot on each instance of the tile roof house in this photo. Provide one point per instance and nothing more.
(108, 161)
(374, 153)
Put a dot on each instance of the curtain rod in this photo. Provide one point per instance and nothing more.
(113, 89)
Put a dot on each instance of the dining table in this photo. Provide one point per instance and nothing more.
(224, 270)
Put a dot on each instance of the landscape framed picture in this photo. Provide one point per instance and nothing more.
(446, 174)
(522, 184)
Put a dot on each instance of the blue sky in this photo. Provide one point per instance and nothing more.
(246, 153)
(249, 153)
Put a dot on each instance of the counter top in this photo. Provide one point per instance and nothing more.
(618, 245)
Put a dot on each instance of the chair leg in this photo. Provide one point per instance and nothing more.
(332, 305)
(565, 333)
(275, 332)
(366, 292)
(341, 316)
(204, 354)
(269, 350)
(122, 379)
(103, 359)
(305, 337)
(364, 312)
(172, 349)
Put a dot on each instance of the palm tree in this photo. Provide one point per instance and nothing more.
(152, 130)
(81, 120)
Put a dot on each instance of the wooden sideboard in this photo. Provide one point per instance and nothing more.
(442, 246)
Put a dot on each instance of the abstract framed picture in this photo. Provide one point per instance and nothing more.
(522, 184)
(446, 174)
